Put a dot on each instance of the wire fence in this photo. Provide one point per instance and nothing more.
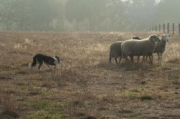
(166, 28)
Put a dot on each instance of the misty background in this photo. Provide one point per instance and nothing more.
(87, 15)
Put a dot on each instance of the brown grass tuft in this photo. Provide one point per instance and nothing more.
(8, 109)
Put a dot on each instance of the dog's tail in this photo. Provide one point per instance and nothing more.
(33, 63)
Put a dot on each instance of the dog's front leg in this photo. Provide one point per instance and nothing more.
(40, 64)
(48, 66)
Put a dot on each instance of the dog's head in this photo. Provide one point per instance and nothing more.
(58, 59)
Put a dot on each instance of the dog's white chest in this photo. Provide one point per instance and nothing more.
(55, 60)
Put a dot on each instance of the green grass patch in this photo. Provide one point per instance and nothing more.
(45, 110)
(132, 94)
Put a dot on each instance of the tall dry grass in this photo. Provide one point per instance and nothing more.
(173, 47)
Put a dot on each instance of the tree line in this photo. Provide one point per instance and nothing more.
(86, 15)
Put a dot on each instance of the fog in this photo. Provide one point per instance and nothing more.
(87, 15)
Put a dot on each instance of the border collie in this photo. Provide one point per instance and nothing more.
(48, 60)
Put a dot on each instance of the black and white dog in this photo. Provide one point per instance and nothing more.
(40, 58)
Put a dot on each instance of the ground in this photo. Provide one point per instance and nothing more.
(85, 85)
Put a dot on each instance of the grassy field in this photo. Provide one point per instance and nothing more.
(85, 85)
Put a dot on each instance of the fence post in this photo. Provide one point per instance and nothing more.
(173, 28)
(179, 29)
(167, 27)
(164, 28)
(159, 27)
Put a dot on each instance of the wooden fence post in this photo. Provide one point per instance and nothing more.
(179, 29)
(164, 28)
(159, 27)
(173, 28)
(167, 27)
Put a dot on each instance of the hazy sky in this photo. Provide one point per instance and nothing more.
(156, 0)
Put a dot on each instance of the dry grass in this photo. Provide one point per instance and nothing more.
(85, 85)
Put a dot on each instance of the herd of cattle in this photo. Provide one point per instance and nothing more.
(139, 47)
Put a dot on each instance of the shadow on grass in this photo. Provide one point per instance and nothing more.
(5, 78)
(129, 66)
(146, 98)
(7, 114)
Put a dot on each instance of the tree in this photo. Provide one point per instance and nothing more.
(76, 11)
(168, 11)
(7, 13)
(88, 15)
(142, 14)
(116, 15)
(29, 14)
(96, 11)
(91, 11)
(42, 14)
(59, 21)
